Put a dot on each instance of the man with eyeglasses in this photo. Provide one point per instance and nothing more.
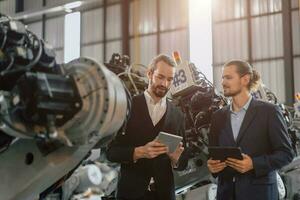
(143, 159)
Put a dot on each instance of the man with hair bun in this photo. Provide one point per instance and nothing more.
(258, 128)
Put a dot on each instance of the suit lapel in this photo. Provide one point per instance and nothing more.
(228, 126)
(167, 114)
(147, 114)
(250, 114)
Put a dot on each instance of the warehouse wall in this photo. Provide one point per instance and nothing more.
(7, 7)
(92, 41)
(32, 4)
(94, 28)
(253, 30)
(296, 42)
(152, 30)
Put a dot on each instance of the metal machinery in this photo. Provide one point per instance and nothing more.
(56, 119)
(51, 115)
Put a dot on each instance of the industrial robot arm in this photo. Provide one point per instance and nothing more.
(51, 115)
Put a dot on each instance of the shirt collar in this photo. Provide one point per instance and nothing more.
(245, 107)
(149, 99)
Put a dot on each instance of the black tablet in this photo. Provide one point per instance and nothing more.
(222, 153)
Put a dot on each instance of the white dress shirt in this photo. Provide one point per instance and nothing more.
(156, 110)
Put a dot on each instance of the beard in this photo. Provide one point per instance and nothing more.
(159, 91)
(231, 93)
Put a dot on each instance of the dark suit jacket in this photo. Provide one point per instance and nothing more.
(263, 136)
(134, 177)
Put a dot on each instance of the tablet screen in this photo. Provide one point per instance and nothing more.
(222, 153)
(170, 140)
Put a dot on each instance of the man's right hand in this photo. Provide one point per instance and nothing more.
(215, 166)
(149, 150)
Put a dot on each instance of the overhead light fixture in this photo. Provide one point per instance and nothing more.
(69, 6)
(68, 10)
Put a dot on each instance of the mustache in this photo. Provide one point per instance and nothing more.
(162, 87)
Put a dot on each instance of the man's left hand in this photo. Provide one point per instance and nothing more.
(241, 166)
(176, 154)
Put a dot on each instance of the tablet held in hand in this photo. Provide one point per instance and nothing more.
(224, 152)
(170, 140)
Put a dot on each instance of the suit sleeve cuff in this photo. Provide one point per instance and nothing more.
(127, 153)
(260, 166)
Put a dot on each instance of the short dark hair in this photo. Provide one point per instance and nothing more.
(162, 57)
(243, 68)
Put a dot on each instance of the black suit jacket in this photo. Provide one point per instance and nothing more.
(263, 136)
(135, 176)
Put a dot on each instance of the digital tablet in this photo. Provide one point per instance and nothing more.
(222, 153)
(170, 140)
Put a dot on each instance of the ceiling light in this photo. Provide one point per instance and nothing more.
(72, 5)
